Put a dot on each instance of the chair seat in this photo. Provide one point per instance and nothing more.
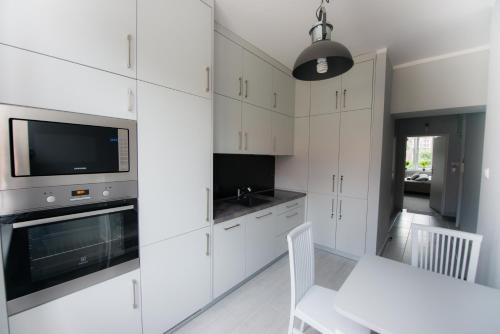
(317, 309)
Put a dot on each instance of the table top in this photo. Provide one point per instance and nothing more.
(390, 297)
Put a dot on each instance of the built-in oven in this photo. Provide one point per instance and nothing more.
(50, 253)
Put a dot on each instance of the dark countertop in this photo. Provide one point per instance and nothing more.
(225, 210)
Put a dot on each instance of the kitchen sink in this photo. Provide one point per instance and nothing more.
(249, 201)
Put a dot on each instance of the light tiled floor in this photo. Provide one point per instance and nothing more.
(262, 305)
(399, 245)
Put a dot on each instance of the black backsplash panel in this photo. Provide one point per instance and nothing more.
(232, 171)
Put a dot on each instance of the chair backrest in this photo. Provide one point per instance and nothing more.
(445, 251)
(301, 254)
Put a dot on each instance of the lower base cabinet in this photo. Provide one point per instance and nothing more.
(259, 240)
(321, 212)
(112, 306)
(176, 280)
(351, 225)
(285, 223)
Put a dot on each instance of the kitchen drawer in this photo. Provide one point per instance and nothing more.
(289, 220)
(282, 208)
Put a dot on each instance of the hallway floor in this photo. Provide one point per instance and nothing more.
(399, 245)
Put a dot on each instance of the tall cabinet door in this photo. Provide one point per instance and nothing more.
(175, 280)
(258, 80)
(175, 44)
(175, 158)
(326, 96)
(228, 136)
(357, 86)
(321, 212)
(354, 161)
(96, 33)
(228, 71)
(282, 134)
(256, 130)
(351, 225)
(324, 153)
(283, 90)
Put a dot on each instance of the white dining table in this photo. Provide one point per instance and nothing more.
(390, 297)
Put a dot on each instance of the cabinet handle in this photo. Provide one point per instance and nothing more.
(207, 252)
(134, 294)
(240, 140)
(341, 182)
(332, 212)
(340, 210)
(267, 214)
(207, 218)
(241, 86)
(129, 41)
(246, 141)
(130, 100)
(345, 92)
(333, 183)
(336, 99)
(293, 215)
(246, 89)
(275, 100)
(292, 205)
(231, 227)
(208, 79)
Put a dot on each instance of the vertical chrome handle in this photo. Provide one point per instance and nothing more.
(275, 100)
(240, 136)
(246, 141)
(241, 86)
(340, 210)
(207, 252)
(134, 294)
(336, 99)
(129, 41)
(345, 92)
(207, 218)
(207, 89)
(341, 182)
(333, 183)
(130, 100)
(246, 88)
(332, 209)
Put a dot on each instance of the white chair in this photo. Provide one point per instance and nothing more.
(311, 304)
(444, 251)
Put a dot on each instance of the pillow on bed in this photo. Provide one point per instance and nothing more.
(422, 177)
(414, 176)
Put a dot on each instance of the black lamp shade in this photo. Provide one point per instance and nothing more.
(338, 57)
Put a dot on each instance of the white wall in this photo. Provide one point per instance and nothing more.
(489, 218)
(443, 83)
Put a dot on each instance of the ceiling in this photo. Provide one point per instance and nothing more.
(410, 29)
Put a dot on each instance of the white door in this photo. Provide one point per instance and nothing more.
(175, 159)
(283, 90)
(357, 86)
(256, 124)
(113, 306)
(92, 32)
(325, 96)
(229, 255)
(34, 80)
(228, 70)
(258, 81)
(282, 134)
(175, 280)
(302, 98)
(351, 226)
(228, 136)
(354, 157)
(321, 212)
(259, 240)
(175, 44)
(438, 181)
(324, 153)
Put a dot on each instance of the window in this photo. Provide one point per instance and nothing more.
(419, 153)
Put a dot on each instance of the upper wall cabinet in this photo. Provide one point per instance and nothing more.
(175, 44)
(282, 134)
(107, 43)
(326, 96)
(258, 81)
(357, 87)
(302, 98)
(283, 91)
(228, 67)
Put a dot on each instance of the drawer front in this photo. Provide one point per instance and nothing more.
(292, 205)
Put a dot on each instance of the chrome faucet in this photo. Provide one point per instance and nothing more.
(241, 192)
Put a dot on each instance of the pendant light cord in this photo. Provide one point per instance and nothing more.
(321, 10)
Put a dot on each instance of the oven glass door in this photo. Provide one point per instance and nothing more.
(50, 248)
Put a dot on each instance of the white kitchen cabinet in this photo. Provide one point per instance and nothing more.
(321, 212)
(282, 133)
(175, 161)
(175, 280)
(302, 98)
(175, 44)
(259, 240)
(323, 153)
(34, 80)
(228, 135)
(354, 156)
(357, 86)
(256, 124)
(283, 90)
(228, 67)
(326, 96)
(113, 306)
(258, 81)
(229, 255)
(351, 225)
(92, 32)
(287, 222)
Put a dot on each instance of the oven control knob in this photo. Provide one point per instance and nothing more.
(51, 199)
(105, 193)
